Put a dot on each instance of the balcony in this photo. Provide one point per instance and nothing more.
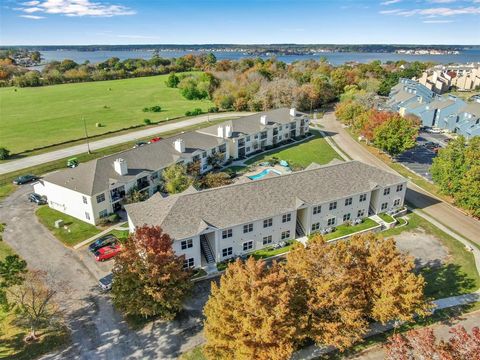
(143, 183)
(117, 194)
(241, 143)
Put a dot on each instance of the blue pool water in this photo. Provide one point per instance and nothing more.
(263, 173)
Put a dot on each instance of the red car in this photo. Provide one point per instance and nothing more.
(155, 139)
(107, 252)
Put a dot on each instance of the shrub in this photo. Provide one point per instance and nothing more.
(213, 109)
(194, 112)
(4, 153)
(147, 121)
(155, 108)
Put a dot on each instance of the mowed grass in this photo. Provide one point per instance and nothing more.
(315, 149)
(76, 231)
(41, 116)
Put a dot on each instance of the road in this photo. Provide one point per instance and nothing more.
(29, 161)
(98, 331)
(445, 213)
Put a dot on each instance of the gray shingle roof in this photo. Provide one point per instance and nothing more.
(472, 108)
(181, 215)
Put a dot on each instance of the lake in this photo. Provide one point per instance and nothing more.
(335, 58)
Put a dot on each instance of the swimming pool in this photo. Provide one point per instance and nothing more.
(263, 173)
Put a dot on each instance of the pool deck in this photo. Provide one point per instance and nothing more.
(259, 168)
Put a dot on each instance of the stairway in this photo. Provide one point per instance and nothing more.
(206, 250)
(299, 232)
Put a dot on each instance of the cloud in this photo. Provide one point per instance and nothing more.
(390, 2)
(436, 12)
(33, 17)
(389, 12)
(442, 1)
(438, 21)
(76, 8)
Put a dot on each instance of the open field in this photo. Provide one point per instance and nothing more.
(315, 149)
(36, 117)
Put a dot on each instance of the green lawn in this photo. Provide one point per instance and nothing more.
(77, 230)
(385, 217)
(457, 276)
(120, 234)
(270, 251)
(38, 116)
(345, 229)
(315, 149)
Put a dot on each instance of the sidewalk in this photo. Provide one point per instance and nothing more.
(95, 237)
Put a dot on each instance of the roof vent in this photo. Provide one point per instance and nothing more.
(263, 120)
(179, 145)
(120, 166)
(293, 112)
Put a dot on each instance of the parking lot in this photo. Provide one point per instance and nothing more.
(420, 158)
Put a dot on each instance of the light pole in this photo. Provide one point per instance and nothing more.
(86, 134)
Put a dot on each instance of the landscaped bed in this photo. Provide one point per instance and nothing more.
(76, 230)
(387, 218)
(345, 229)
(270, 251)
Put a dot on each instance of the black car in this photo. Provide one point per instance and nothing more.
(106, 282)
(139, 144)
(101, 242)
(24, 179)
(39, 199)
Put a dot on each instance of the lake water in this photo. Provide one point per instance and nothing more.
(335, 58)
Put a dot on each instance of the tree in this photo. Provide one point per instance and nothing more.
(176, 179)
(4, 153)
(348, 111)
(172, 81)
(423, 344)
(216, 160)
(397, 134)
(249, 315)
(212, 180)
(149, 279)
(12, 272)
(34, 302)
(134, 195)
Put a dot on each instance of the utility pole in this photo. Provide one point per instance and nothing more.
(86, 134)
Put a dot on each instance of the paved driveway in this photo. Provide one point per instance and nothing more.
(98, 331)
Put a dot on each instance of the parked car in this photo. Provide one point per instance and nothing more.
(139, 143)
(72, 162)
(107, 252)
(155, 139)
(24, 179)
(103, 241)
(106, 282)
(36, 198)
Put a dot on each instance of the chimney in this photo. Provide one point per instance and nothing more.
(293, 112)
(228, 131)
(263, 120)
(220, 132)
(120, 166)
(179, 145)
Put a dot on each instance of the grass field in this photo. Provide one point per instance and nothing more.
(35, 117)
(344, 229)
(315, 149)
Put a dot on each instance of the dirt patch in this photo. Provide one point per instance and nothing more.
(425, 248)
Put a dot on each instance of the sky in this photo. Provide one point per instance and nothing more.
(87, 22)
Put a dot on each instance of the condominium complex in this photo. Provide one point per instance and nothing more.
(213, 225)
(97, 188)
(442, 78)
(451, 113)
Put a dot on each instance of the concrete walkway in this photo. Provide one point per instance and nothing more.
(100, 234)
(29, 161)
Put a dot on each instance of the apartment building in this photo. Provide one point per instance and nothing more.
(213, 225)
(97, 188)
(443, 77)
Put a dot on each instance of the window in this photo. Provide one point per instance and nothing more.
(84, 199)
(331, 221)
(286, 218)
(386, 191)
(285, 235)
(247, 138)
(100, 198)
(87, 215)
(363, 197)
(188, 263)
(204, 155)
(384, 206)
(247, 228)
(248, 149)
(361, 213)
(348, 201)
(333, 205)
(103, 213)
(227, 233)
(227, 251)
(187, 244)
(222, 148)
(396, 202)
(315, 226)
(346, 217)
(267, 223)
(317, 209)
(247, 245)
(399, 187)
(267, 240)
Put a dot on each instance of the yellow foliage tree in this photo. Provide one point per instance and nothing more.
(249, 316)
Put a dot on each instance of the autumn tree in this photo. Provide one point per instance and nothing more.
(397, 134)
(176, 179)
(249, 315)
(212, 180)
(423, 344)
(149, 279)
(348, 111)
(34, 302)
